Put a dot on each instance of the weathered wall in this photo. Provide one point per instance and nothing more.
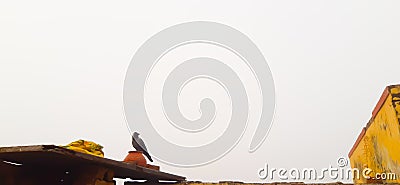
(378, 146)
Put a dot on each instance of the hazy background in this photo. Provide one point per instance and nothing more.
(62, 67)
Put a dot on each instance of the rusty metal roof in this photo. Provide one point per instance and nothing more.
(54, 156)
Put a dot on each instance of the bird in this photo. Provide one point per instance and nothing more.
(139, 145)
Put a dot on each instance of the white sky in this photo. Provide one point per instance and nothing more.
(62, 66)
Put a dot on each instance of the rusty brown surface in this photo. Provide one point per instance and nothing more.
(58, 159)
(382, 99)
(359, 138)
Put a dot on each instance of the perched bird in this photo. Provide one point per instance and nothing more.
(139, 145)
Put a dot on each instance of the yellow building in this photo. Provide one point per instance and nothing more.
(376, 152)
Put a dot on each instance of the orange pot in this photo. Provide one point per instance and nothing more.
(136, 157)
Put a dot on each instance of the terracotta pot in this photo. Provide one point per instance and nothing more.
(136, 157)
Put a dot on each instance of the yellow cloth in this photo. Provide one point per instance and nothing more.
(87, 147)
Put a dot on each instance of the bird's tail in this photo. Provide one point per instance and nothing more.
(150, 159)
(148, 156)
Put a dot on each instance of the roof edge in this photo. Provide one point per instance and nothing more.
(359, 138)
(381, 101)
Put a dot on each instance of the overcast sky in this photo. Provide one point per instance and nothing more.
(63, 64)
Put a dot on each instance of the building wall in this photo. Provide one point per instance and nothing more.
(379, 147)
